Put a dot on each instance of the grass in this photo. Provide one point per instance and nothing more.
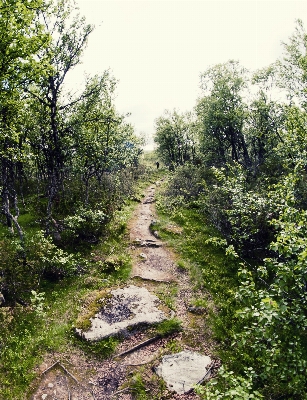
(145, 385)
(167, 294)
(211, 272)
(209, 267)
(31, 334)
(168, 327)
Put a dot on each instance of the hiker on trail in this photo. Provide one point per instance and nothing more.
(157, 164)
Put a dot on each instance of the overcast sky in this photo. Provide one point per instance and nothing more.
(158, 48)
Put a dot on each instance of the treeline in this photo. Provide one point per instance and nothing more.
(240, 159)
(68, 158)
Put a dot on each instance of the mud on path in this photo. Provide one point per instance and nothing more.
(77, 376)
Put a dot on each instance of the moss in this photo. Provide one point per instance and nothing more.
(93, 302)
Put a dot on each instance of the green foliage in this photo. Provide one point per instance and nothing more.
(292, 67)
(241, 214)
(44, 254)
(46, 325)
(138, 387)
(101, 349)
(23, 265)
(37, 301)
(262, 310)
(85, 225)
(229, 386)
(255, 267)
(221, 113)
(186, 184)
(28, 332)
(22, 36)
(176, 138)
(273, 303)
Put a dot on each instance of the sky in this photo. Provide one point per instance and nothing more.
(157, 49)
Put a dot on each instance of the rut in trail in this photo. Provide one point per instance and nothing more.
(79, 377)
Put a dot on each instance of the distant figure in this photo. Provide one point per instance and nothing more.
(157, 164)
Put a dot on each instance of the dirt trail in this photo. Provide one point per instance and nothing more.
(154, 267)
(151, 260)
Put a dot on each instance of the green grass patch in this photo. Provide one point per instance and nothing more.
(209, 267)
(167, 294)
(101, 349)
(168, 327)
(146, 385)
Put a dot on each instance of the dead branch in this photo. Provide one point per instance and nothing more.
(138, 346)
(49, 368)
(122, 391)
(63, 368)
(68, 373)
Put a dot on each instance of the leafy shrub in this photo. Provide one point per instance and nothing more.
(23, 265)
(269, 329)
(186, 183)
(230, 387)
(85, 225)
(242, 215)
(50, 260)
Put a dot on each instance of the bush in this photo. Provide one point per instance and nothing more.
(230, 387)
(23, 265)
(86, 225)
(242, 214)
(186, 182)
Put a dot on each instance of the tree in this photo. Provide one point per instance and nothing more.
(176, 138)
(264, 124)
(221, 113)
(22, 36)
(52, 141)
(292, 68)
(103, 142)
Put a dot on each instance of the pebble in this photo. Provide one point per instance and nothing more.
(143, 256)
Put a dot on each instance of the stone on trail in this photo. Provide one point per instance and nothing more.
(182, 371)
(151, 274)
(147, 243)
(127, 307)
(143, 256)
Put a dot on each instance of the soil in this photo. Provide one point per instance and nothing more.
(77, 376)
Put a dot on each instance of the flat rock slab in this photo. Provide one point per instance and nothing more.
(183, 370)
(126, 307)
(151, 274)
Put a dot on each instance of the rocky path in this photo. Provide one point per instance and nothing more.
(155, 280)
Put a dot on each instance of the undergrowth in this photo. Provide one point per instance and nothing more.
(200, 250)
(44, 322)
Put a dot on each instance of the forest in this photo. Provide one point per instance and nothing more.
(234, 170)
